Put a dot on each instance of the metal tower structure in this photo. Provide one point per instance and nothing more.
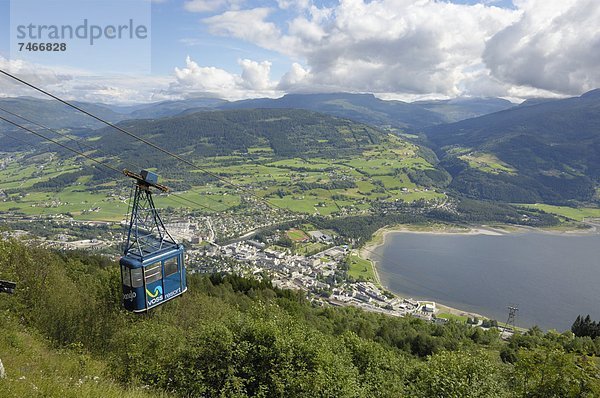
(147, 233)
(510, 322)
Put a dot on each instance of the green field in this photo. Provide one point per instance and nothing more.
(350, 184)
(359, 268)
(262, 149)
(198, 198)
(452, 317)
(487, 162)
(309, 248)
(577, 214)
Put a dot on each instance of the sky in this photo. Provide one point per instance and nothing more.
(237, 49)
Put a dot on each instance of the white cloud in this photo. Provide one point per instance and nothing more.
(306, 30)
(554, 46)
(194, 80)
(38, 75)
(249, 25)
(206, 79)
(74, 84)
(203, 5)
(393, 48)
(430, 47)
(298, 4)
(294, 79)
(255, 75)
(379, 46)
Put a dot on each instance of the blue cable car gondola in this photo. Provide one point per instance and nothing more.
(152, 267)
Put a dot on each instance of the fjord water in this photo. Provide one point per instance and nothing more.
(551, 277)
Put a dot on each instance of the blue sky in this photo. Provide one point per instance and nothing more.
(178, 33)
(234, 49)
(4, 26)
(497, 3)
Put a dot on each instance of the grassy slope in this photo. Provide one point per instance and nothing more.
(546, 152)
(375, 171)
(577, 214)
(236, 337)
(487, 162)
(35, 369)
(359, 268)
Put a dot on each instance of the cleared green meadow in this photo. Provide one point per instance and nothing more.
(359, 268)
(316, 185)
(452, 317)
(487, 162)
(309, 248)
(577, 214)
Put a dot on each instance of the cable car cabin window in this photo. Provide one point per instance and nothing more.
(137, 279)
(153, 273)
(171, 266)
(126, 275)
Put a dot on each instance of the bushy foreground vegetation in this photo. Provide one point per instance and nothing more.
(64, 334)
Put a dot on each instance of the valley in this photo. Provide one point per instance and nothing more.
(303, 199)
(363, 172)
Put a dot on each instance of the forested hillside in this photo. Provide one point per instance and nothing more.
(366, 108)
(64, 334)
(548, 151)
(287, 132)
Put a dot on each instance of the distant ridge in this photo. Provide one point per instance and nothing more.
(367, 108)
(553, 145)
(536, 101)
(56, 115)
(364, 108)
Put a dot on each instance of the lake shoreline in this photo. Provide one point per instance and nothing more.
(378, 239)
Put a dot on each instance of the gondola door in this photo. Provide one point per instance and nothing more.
(173, 283)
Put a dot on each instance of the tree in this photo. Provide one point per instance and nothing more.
(585, 327)
(553, 373)
(460, 375)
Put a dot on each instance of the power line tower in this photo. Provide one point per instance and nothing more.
(510, 322)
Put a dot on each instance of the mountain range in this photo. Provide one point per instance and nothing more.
(545, 151)
(365, 108)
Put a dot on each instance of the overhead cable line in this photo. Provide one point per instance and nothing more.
(90, 158)
(132, 135)
(17, 139)
(145, 141)
(153, 145)
(61, 145)
(120, 172)
(78, 142)
(99, 151)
